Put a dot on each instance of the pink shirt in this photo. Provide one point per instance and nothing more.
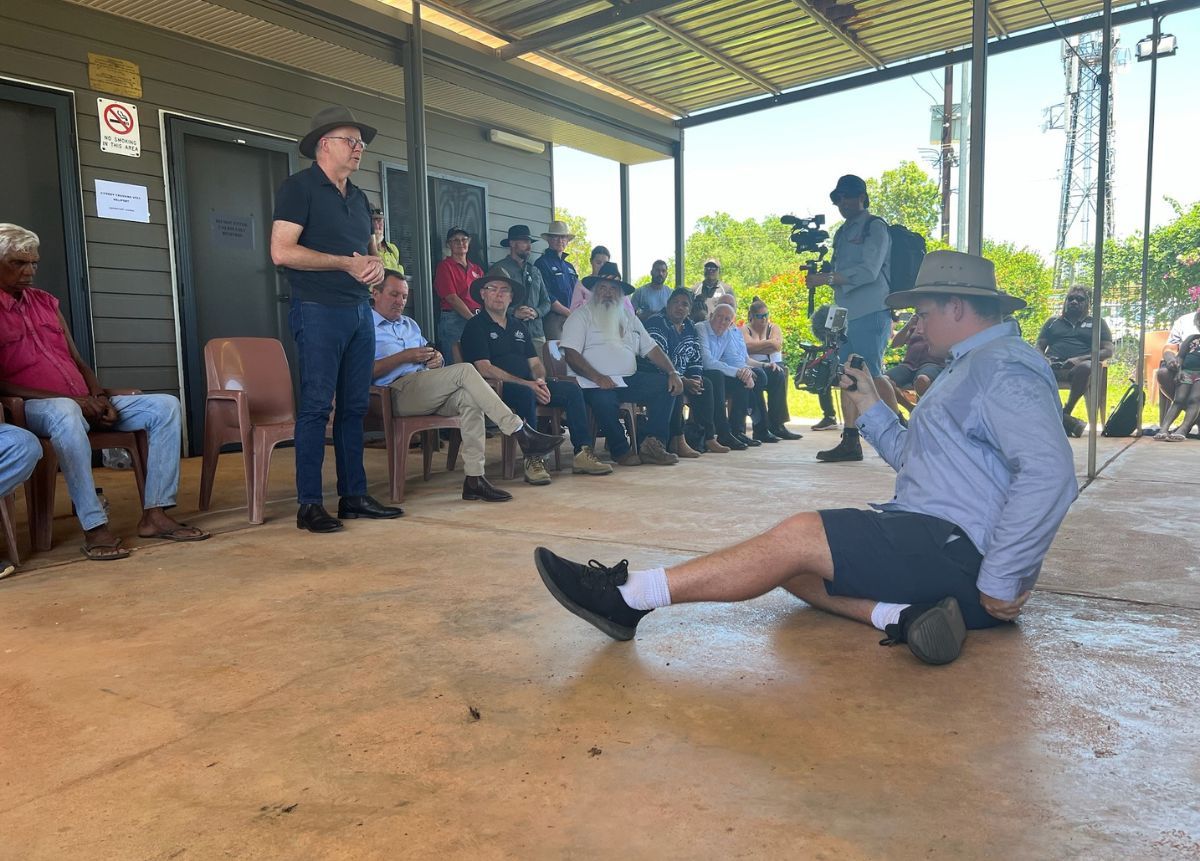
(33, 346)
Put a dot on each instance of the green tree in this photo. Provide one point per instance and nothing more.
(750, 251)
(907, 195)
(1023, 273)
(579, 250)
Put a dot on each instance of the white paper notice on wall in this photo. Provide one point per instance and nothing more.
(122, 201)
(120, 131)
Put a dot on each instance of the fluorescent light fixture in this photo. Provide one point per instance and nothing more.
(516, 142)
(1167, 46)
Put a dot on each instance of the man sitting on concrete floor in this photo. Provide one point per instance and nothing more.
(676, 336)
(601, 343)
(1066, 341)
(421, 386)
(63, 399)
(501, 348)
(19, 453)
(985, 477)
(724, 351)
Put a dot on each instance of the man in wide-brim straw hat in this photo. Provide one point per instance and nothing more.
(985, 477)
(322, 237)
(560, 276)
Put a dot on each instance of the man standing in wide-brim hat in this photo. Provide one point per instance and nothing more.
(532, 302)
(322, 238)
(559, 275)
(984, 478)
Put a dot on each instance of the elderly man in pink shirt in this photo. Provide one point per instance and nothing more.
(39, 362)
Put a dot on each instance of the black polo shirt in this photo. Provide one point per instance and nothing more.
(508, 347)
(333, 224)
(1066, 340)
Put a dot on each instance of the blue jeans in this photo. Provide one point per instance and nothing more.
(62, 421)
(449, 332)
(566, 395)
(19, 453)
(644, 387)
(335, 348)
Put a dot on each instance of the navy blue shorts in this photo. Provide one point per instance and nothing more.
(903, 558)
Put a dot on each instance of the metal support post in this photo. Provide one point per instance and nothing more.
(1101, 211)
(680, 227)
(1141, 365)
(625, 252)
(979, 53)
(418, 175)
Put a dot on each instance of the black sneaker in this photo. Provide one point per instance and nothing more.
(826, 423)
(933, 632)
(590, 592)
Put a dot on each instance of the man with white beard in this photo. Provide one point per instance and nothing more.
(601, 343)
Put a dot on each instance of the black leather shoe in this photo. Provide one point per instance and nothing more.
(783, 433)
(763, 435)
(315, 518)
(533, 443)
(478, 487)
(350, 507)
(748, 442)
(730, 441)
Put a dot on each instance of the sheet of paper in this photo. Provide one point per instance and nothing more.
(122, 201)
(585, 383)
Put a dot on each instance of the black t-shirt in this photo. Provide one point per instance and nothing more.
(333, 224)
(1066, 340)
(508, 347)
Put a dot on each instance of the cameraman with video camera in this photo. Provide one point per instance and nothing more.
(861, 251)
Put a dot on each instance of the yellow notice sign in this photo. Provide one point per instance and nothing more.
(113, 75)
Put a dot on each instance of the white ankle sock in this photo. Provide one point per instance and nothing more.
(886, 614)
(646, 590)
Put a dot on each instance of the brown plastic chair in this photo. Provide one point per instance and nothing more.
(398, 432)
(40, 488)
(249, 401)
(1151, 359)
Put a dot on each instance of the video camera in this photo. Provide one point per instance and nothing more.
(820, 369)
(809, 237)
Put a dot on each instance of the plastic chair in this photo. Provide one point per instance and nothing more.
(41, 487)
(10, 529)
(1151, 359)
(1102, 407)
(398, 432)
(249, 401)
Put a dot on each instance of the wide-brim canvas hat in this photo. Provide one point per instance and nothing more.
(558, 228)
(517, 231)
(610, 274)
(328, 119)
(476, 288)
(952, 273)
(848, 185)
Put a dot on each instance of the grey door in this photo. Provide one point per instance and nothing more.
(40, 177)
(223, 184)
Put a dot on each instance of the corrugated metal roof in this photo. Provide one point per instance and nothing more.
(686, 54)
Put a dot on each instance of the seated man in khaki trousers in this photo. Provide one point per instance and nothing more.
(421, 386)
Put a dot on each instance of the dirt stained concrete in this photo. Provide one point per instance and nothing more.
(274, 694)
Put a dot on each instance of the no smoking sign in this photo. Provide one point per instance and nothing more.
(119, 129)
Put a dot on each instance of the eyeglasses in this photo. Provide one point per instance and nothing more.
(353, 143)
(764, 315)
(454, 239)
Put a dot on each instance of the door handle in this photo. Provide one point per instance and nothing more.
(284, 298)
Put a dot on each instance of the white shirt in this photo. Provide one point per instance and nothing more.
(1183, 328)
(612, 357)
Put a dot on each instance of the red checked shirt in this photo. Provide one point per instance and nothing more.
(450, 279)
(33, 347)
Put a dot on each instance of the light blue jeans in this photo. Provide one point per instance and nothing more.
(19, 453)
(62, 421)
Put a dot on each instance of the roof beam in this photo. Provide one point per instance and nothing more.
(842, 34)
(602, 20)
(998, 26)
(709, 52)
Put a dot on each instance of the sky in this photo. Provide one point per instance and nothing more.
(786, 159)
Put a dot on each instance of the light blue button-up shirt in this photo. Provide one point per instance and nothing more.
(725, 353)
(985, 450)
(392, 337)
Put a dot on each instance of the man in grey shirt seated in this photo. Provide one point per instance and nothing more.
(984, 478)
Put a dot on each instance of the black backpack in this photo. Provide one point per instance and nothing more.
(908, 250)
(1123, 419)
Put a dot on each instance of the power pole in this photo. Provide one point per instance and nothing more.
(947, 149)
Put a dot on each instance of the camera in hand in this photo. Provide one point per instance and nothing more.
(809, 237)
(819, 369)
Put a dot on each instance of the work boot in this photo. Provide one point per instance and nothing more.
(535, 471)
(533, 443)
(590, 592)
(933, 632)
(826, 423)
(782, 432)
(711, 446)
(849, 449)
(587, 463)
(653, 452)
(680, 447)
(478, 487)
(630, 458)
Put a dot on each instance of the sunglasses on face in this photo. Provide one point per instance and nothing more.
(764, 315)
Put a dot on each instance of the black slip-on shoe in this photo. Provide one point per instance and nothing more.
(590, 592)
(351, 507)
(476, 487)
(782, 432)
(315, 518)
(730, 441)
(763, 435)
(933, 632)
(533, 443)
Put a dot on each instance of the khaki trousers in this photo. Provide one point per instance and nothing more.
(457, 390)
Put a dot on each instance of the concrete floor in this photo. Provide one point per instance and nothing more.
(274, 694)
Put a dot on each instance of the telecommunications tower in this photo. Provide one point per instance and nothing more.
(1079, 117)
